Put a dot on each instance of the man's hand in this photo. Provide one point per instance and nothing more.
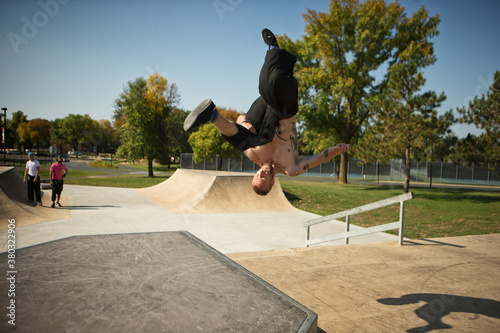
(342, 148)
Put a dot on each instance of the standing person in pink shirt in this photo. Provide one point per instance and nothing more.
(57, 172)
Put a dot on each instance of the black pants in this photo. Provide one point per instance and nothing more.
(277, 86)
(34, 187)
(278, 100)
(57, 187)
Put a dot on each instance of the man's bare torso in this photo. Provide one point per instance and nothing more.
(282, 153)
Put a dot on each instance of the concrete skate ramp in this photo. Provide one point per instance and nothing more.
(201, 192)
(14, 204)
(143, 282)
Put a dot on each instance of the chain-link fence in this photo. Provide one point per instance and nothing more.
(437, 172)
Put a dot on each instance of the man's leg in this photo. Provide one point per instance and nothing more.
(54, 191)
(206, 112)
(36, 186)
(59, 191)
(30, 188)
(226, 127)
(277, 85)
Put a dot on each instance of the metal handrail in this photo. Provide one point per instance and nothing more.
(361, 209)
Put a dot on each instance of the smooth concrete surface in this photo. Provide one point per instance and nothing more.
(439, 285)
(143, 282)
(99, 210)
(14, 201)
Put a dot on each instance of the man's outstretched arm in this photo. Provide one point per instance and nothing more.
(318, 159)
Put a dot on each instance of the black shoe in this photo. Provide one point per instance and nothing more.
(200, 115)
(53, 205)
(269, 38)
(58, 204)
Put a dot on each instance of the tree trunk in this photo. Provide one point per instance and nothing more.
(430, 170)
(343, 169)
(219, 163)
(407, 171)
(150, 167)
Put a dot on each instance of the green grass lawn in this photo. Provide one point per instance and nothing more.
(127, 181)
(432, 213)
(156, 168)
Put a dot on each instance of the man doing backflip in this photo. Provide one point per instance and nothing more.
(267, 134)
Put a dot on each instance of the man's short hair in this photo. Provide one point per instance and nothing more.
(260, 191)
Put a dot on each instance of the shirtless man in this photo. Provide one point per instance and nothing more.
(267, 134)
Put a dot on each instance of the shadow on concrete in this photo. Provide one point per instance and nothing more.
(430, 242)
(440, 305)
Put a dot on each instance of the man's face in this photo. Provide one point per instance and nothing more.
(31, 157)
(264, 178)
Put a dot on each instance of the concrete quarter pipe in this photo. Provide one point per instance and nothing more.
(14, 204)
(202, 192)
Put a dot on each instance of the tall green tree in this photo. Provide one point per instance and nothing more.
(342, 66)
(142, 112)
(102, 137)
(207, 142)
(73, 130)
(408, 119)
(12, 139)
(178, 137)
(337, 60)
(469, 151)
(56, 136)
(484, 113)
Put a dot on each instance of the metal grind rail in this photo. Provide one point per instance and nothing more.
(361, 209)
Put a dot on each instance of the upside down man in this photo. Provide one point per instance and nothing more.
(267, 134)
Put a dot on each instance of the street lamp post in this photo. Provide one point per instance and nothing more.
(4, 129)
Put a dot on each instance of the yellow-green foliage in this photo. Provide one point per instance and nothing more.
(207, 142)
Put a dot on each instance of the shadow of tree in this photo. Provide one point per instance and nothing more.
(440, 305)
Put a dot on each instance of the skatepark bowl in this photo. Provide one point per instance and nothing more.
(201, 252)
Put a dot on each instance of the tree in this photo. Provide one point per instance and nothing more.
(101, 136)
(142, 112)
(12, 138)
(469, 151)
(35, 132)
(484, 113)
(177, 136)
(207, 142)
(407, 118)
(56, 136)
(337, 60)
(73, 130)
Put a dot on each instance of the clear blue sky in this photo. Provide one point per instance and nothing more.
(78, 55)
